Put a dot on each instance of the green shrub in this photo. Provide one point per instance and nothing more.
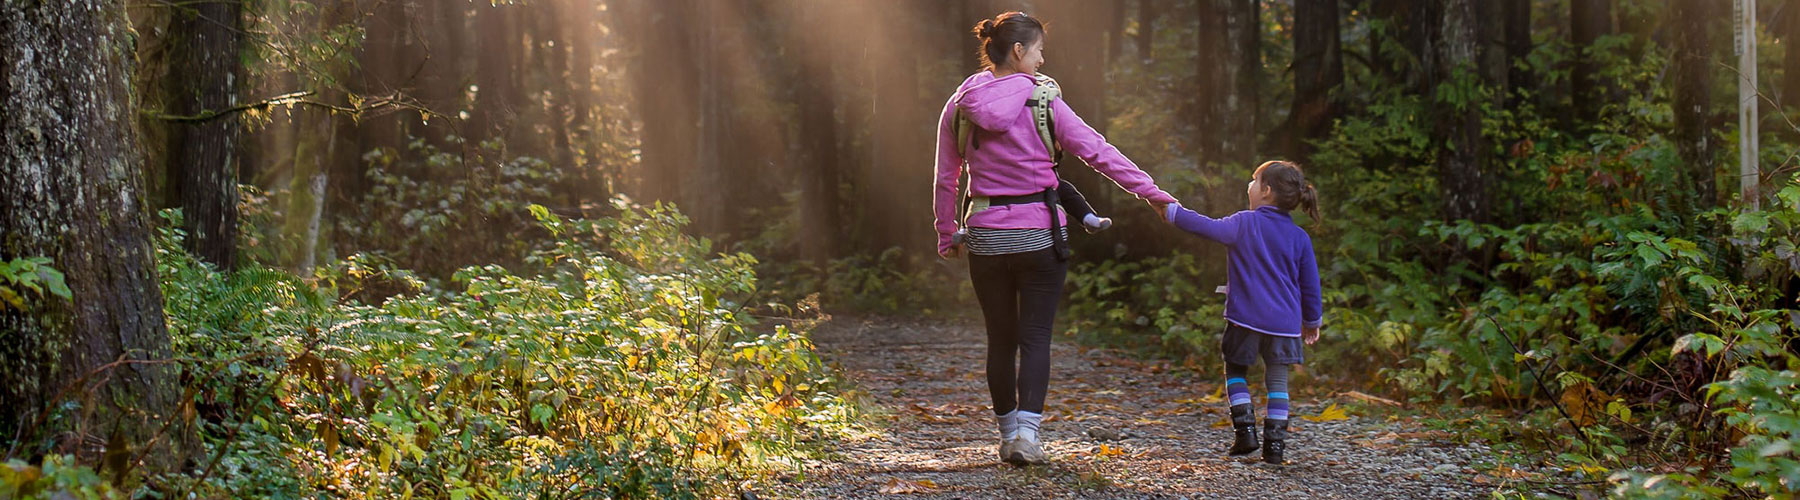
(620, 361)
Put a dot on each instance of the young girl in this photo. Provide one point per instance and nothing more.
(1272, 296)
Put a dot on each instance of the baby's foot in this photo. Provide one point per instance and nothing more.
(1094, 223)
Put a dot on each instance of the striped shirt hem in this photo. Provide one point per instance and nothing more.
(988, 241)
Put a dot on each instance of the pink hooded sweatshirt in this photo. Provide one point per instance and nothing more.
(1006, 157)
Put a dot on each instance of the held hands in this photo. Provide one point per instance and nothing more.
(954, 252)
(1162, 209)
(1309, 335)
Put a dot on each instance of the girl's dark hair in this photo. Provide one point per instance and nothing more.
(1290, 187)
(998, 35)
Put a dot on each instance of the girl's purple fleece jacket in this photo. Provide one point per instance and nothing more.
(1271, 277)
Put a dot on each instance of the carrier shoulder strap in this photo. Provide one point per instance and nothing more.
(1043, 96)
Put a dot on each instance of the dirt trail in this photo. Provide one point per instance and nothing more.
(1114, 427)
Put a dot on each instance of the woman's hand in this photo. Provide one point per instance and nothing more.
(1309, 335)
(1162, 210)
(953, 252)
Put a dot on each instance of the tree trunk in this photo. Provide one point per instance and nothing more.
(1588, 21)
(900, 145)
(1146, 34)
(497, 93)
(1227, 94)
(1467, 55)
(1518, 47)
(820, 179)
(205, 42)
(1115, 32)
(666, 84)
(702, 197)
(71, 190)
(1790, 63)
(1318, 72)
(1693, 71)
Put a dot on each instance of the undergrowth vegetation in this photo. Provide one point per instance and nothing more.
(622, 359)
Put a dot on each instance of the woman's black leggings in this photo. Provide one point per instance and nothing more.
(1018, 294)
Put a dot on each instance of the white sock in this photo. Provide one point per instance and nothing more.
(1091, 220)
(1028, 425)
(1009, 424)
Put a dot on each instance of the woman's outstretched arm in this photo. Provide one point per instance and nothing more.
(1078, 139)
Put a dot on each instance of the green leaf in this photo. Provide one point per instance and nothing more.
(1776, 447)
(1707, 342)
(1751, 222)
(54, 280)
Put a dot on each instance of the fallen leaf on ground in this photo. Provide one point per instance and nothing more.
(897, 486)
(1332, 412)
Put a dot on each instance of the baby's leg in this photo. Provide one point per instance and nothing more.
(1072, 202)
(1078, 208)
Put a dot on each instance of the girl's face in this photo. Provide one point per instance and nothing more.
(1028, 58)
(1259, 193)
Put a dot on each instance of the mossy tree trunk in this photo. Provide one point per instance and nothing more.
(71, 190)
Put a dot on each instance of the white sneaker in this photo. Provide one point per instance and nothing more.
(1006, 447)
(1024, 451)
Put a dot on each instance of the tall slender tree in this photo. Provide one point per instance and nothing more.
(205, 44)
(1318, 72)
(1467, 56)
(1588, 21)
(1146, 34)
(1227, 94)
(1694, 66)
(71, 190)
(1789, 31)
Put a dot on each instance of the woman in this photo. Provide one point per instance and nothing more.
(1015, 258)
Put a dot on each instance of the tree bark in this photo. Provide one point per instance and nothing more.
(71, 190)
(816, 98)
(1588, 21)
(497, 93)
(899, 144)
(1318, 72)
(205, 42)
(1146, 35)
(1467, 56)
(1518, 47)
(666, 84)
(1790, 63)
(1230, 70)
(1693, 69)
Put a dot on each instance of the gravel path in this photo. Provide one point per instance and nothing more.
(1114, 427)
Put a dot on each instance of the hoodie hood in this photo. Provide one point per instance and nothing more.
(994, 103)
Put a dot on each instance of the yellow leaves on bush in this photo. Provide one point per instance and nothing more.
(1586, 404)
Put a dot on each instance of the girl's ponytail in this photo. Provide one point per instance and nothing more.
(1309, 201)
(1290, 187)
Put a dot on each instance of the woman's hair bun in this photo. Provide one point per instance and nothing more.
(985, 28)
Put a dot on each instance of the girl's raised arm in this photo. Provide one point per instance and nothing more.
(1221, 230)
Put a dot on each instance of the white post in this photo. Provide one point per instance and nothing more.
(1748, 172)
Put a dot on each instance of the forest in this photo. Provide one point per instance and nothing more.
(484, 249)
